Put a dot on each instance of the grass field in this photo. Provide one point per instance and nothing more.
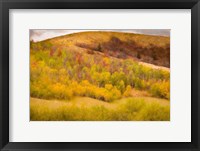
(88, 109)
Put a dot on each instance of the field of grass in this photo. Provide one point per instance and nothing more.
(100, 76)
(88, 109)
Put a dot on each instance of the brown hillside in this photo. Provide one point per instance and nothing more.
(144, 48)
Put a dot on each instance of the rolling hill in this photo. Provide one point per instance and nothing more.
(144, 48)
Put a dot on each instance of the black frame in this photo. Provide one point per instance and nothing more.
(5, 5)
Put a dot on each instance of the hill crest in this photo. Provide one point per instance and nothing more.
(143, 48)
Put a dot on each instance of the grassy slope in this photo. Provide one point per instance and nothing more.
(84, 108)
(102, 36)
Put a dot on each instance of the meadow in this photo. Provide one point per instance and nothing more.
(88, 109)
(82, 81)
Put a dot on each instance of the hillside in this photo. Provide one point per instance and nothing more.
(103, 76)
(144, 48)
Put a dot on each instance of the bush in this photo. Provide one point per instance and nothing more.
(121, 86)
(127, 92)
(60, 91)
(161, 89)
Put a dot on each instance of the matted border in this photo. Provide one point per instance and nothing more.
(177, 130)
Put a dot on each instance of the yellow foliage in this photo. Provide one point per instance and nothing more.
(108, 86)
(60, 91)
(127, 92)
(161, 89)
(95, 76)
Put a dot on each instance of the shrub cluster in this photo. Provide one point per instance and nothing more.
(67, 73)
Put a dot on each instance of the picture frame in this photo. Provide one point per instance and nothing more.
(5, 5)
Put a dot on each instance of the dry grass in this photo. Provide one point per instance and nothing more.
(103, 36)
(88, 109)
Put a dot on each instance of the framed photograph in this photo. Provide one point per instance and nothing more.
(99, 75)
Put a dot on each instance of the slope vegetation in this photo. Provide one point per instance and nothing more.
(100, 68)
